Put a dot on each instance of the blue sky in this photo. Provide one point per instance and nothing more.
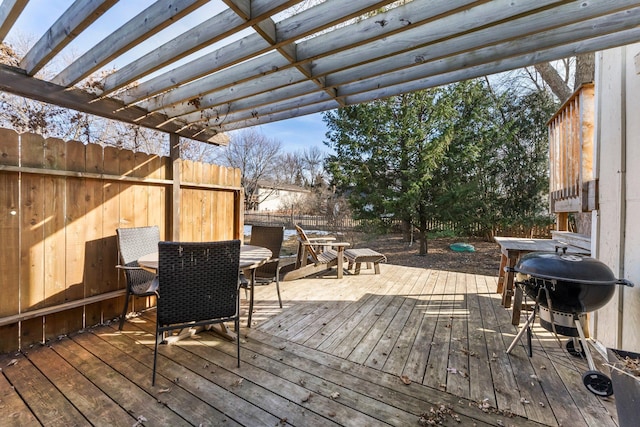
(294, 134)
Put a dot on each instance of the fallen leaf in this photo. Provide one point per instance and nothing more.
(335, 395)
(405, 379)
(164, 390)
(452, 370)
(306, 398)
(12, 362)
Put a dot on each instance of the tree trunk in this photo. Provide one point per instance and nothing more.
(558, 86)
(423, 237)
(406, 231)
(585, 69)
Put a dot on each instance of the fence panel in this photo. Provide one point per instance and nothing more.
(60, 204)
(320, 222)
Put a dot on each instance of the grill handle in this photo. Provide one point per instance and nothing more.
(624, 282)
(563, 247)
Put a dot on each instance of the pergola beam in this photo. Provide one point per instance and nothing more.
(307, 22)
(430, 60)
(16, 81)
(332, 54)
(144, 25)
(210, 31)
(10, 10)
(564, 51)
(75, 19)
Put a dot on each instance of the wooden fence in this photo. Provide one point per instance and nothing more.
(321, 222)
(60, 204)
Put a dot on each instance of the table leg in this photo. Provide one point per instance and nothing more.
(340, 261)
(252, 285)
(224, 331)
(507, 292)
(517, 306)
(503, 264)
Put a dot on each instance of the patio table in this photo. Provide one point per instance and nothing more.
(511, 248)
(251, 257)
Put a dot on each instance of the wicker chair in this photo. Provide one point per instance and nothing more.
(198, 286)
(132, 244)
(270, 238)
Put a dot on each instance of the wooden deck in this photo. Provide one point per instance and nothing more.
(336, 354)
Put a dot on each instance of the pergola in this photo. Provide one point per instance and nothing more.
(297, 57)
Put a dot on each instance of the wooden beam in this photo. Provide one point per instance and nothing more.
(210, 31)
(244, 72)
(174, 206)
(369, 56)
(249, 47)
(392, 84)
(240, 7)
(10, 10)
(150, 21)
(564, 51)
(73, 21)
(15, 81)
(219, 113)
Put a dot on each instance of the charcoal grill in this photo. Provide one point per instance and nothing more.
(565, 288)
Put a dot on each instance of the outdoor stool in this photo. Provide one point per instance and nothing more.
(358, 256)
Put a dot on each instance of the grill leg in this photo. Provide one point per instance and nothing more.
(585, 347)
(527, 326)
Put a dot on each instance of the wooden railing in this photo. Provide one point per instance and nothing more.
(572, 184)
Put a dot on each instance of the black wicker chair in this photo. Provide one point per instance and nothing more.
(132, 244)
(270, 238)
(198, 286)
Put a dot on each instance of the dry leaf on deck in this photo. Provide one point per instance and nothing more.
(405, 379)
(12, 362)
(335, 395)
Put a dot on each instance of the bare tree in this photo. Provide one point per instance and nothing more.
(313, 159)
(256, 157)
(290, 169)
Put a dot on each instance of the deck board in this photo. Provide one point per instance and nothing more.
(333, 355)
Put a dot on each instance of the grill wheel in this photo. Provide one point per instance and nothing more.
(597, 383)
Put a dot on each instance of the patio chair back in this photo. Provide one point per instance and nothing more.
(198, 286)
(305, 245)
(270, 238)
(133, 243)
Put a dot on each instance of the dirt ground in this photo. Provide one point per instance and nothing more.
(485, 260)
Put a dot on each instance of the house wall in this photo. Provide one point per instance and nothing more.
(617, 222)
(275, 200)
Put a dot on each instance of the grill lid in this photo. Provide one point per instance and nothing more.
(567, 267)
